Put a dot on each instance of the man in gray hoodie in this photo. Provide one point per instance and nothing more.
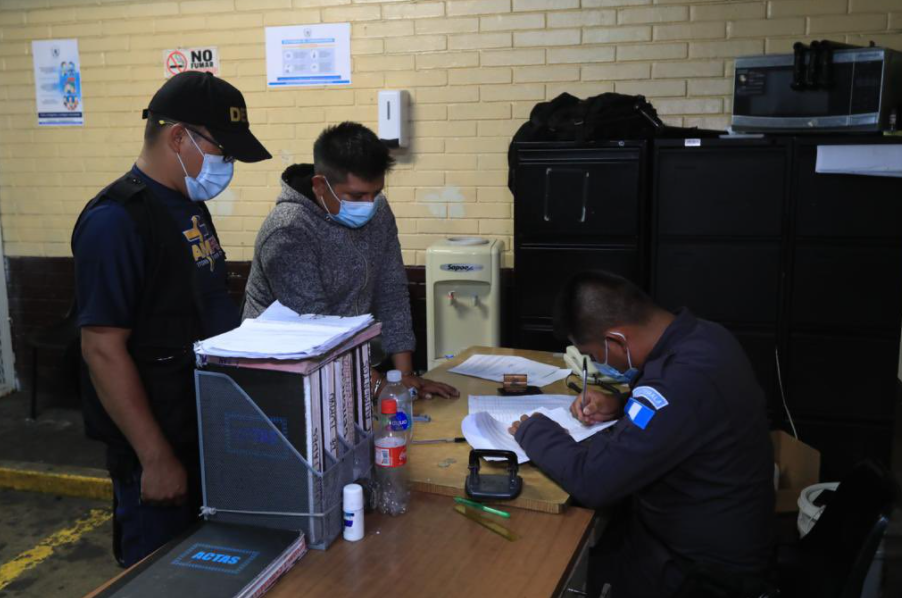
(330, 245)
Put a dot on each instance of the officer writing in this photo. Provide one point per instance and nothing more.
(688, 466)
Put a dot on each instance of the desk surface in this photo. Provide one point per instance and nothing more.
(442, 468)
(444, 554)
(433, 551)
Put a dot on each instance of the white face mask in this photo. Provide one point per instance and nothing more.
(214, 176)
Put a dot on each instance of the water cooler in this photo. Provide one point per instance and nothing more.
(463, 296)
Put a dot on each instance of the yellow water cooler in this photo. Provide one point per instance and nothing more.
(463, 296)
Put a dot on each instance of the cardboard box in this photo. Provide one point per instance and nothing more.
(800, 467)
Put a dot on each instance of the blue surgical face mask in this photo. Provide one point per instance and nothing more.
(352, 214)
(606, 369)
(214, 176)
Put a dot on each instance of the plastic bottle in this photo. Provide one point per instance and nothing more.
(393, 493)
(352, 505)
(403, 421)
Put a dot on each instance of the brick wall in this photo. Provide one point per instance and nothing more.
(474, 69)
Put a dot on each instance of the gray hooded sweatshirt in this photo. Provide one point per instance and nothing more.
(313, 264)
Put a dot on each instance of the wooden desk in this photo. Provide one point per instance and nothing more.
(442, 468)
(433, 551)
(442, 553)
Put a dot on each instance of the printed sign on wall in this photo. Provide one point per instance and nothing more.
(57, 82)
(304, 55)
(179, 60)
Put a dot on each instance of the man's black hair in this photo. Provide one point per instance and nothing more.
(350, 148)
(591, 303)
(152, 129)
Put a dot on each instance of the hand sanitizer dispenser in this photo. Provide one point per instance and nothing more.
(463, 296)
(393, 111)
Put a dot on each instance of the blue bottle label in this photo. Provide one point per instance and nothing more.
(400, 421)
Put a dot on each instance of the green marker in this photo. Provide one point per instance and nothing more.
(481, 507)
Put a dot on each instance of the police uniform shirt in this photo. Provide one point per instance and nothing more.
(692, 449)
(109, 255)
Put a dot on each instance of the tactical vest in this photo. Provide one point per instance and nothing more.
(166, 325)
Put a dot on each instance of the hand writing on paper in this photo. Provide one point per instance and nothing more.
(593, 407)
(516, 425)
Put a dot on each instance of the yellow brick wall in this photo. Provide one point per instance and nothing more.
(474, 69)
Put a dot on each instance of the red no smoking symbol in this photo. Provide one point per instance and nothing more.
(176, 63)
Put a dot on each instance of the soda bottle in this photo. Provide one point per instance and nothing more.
(393, 493)
(403, 421)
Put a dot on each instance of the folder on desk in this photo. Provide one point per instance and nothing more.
(215, 560)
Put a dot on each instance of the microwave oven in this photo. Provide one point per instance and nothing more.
(864, 93)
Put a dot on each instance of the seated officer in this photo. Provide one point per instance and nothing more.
(690, 454)
(150, 280)
(330, 245)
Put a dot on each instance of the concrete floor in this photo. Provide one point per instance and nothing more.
(56, 437)
(28, 518)
(74, 569)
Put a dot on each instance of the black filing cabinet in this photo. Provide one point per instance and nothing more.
(576, 207)
(804, 268)
(844, 307)
(718, 237)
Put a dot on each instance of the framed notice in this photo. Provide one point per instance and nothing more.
(304, 55)
(57, 82)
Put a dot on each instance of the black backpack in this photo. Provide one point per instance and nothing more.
(601, 117)
(605, 116)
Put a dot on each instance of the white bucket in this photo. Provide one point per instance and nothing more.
(808, 516)
(808, 511)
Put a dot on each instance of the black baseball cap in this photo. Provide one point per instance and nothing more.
(200, 99)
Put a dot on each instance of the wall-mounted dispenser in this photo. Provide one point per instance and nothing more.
(393, 115)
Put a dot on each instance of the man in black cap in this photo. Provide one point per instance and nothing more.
(150, 280)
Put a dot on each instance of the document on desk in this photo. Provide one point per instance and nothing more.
(494, 367)
(486, 426)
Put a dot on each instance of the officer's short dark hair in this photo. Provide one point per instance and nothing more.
(591, 303)
(350, 148)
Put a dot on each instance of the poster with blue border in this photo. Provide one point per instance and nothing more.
(57, 82)
(308, 55)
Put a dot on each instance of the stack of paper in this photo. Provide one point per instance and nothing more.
(490, 417)
(494, 367)
(279, 333)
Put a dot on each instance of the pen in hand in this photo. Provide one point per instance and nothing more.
(582, 402)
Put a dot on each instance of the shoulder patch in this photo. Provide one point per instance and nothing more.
(656, 399)
(638, 413)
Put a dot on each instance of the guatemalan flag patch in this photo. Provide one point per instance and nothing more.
(656, 399)
(639, 413)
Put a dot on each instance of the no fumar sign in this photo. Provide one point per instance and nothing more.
(179, 60)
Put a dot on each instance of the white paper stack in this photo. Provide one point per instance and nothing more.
(490, 417)
(494, 367)
(279, 333)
